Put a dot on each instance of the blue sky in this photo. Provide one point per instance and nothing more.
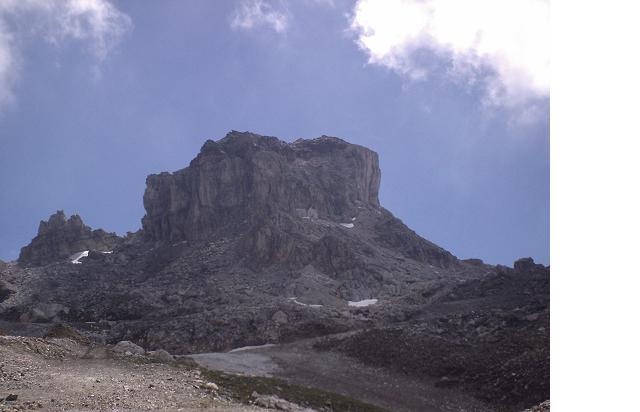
(96, 94)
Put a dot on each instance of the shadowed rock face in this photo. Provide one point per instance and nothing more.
(245, 178)
(265, 192)
(59, 237)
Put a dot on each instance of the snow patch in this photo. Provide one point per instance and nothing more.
(347, 225)
(75, 258)
(266, 345)
(362, 303)
(297, 302)
(353, 219)
(107, 252)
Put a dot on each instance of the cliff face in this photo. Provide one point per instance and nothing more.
(282, 201)
(59, 237)
(245, 178)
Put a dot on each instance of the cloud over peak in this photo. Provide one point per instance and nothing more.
(504, 44)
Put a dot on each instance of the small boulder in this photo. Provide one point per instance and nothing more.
(126, 347)
(210, 385)
(161, 355)
(280, 317)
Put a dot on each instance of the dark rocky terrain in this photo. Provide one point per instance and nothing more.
(489, 337)
(262, 241)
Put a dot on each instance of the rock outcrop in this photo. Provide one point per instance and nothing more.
(128, 348)
(266, 191)
(527, 265)
(245, 177)
(58, 238)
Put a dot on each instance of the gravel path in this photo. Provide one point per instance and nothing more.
(61, 374)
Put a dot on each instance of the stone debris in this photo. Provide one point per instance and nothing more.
(128, 348)
(275, 402)
(161, 355)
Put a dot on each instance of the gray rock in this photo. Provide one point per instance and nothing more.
(128, 348)
(275, 402)
(526, 265)
(161, 355)
(6, 290)
(45, 312)
(59, 237)
(210, 385)
(246, 177)
(280, 317)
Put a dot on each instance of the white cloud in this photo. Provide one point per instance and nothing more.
(258, 13)
(98, 24)
(7, 66)
(502, 43)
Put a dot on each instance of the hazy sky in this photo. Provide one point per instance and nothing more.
(452, 94)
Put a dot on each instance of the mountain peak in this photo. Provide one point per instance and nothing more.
(244, 176)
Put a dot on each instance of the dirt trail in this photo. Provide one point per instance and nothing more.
(299, 363)
(61, 374)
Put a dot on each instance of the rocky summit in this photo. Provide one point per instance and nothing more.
(288, 203)
(59, 237)
(262, 241)
(246, 180)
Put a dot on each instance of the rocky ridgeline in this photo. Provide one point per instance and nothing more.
(257, 240)
(58, 238)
